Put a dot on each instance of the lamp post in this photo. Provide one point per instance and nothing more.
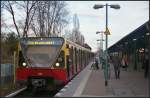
(115, 6)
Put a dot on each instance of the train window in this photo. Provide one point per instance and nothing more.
(67, 46)
(60, 61)
(41, 55)
(21, 60)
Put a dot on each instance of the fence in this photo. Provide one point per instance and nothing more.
(7, 74)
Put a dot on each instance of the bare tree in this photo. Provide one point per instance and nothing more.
(28, 7)
(77, 36)
(2, 17)
(50, 18)
(59, 20)
(9, 8)
(42, 17)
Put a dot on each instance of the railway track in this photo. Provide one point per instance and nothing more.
(16, 92)
(24, 92)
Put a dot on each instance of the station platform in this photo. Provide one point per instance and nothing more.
(91, 83)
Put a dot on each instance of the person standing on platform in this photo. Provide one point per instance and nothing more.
(109, 66)
(124, 62)
(146, 64)
(117, 65)
(103, 63)
(96, 63)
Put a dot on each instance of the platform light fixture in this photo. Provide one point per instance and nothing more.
(134, 39)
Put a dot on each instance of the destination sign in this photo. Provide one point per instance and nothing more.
(43, 41)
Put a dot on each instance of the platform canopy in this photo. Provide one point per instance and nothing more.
(140, 36)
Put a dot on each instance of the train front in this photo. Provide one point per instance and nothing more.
(42, 62)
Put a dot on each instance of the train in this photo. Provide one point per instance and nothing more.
(49, 61)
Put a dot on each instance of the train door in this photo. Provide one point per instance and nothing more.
(88, 57)
(70, 63)
(76, 60)
(81, 59)
(67, 60)
(85, 58)
(78, 64)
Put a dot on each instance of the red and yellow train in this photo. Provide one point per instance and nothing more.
(43, 61)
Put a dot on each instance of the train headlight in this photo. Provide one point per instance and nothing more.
(24, 64)
(57, 64)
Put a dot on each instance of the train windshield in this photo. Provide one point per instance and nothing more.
(41, 52)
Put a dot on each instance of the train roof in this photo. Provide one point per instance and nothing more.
(73, 44)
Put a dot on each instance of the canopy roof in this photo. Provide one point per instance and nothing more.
(137, 34)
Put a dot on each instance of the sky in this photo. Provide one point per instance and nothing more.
(121, 22)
